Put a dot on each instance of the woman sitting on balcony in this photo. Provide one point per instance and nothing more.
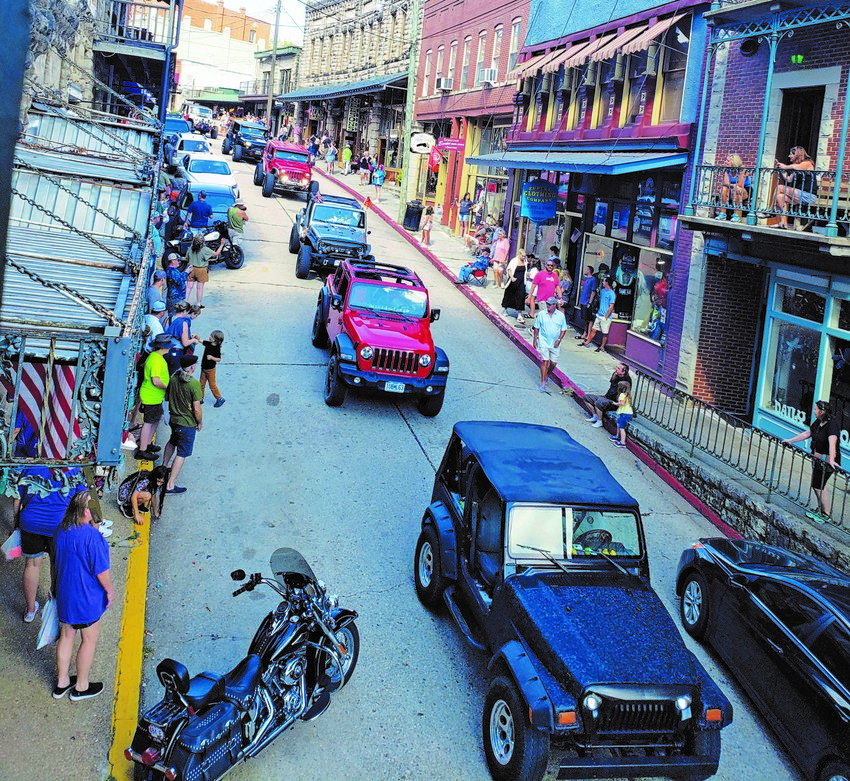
(736, 189)
(799, 187)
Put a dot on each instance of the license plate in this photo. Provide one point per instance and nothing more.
(394, 387)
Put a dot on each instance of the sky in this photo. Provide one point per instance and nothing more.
(291, 28)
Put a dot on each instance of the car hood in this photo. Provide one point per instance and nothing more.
(599, 628)
(392, 332)
(328, 231)
(211, 180)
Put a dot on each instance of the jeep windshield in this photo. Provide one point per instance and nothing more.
(388, 299)
(290, 157)
(567, 533)
(254, 133)
(337, 216)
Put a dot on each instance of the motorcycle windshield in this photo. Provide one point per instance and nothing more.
(286, 560)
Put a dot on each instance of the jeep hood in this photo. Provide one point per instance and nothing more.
(392, 332)
(329, 231)
(599, 628)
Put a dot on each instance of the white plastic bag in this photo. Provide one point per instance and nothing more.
(12, 547)
(49, 632)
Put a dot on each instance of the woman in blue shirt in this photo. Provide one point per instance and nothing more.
(83, 590)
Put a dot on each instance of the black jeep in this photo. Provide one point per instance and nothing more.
(246, 140)
(540, 556)
(329, 229)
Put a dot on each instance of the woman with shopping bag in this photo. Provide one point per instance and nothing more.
(83, 590)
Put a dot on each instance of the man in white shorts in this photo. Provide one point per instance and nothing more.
(550, 326)
(607, 297)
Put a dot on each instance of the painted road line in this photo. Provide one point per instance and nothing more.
(128, 668)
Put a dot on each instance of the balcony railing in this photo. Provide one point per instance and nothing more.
(779, 468)
(254, 87)
(124, 21)
(808, 197)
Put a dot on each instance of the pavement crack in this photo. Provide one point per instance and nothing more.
(370, 591)
(415, 436)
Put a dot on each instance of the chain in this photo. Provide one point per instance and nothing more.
(62, 287)
(73, 229)
(136, 235)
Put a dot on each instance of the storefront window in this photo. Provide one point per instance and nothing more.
(650, 312)
(620, 221)
(794, 372)
(600, 218)
(800, 303)
(839, 388)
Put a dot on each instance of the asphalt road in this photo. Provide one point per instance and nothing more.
(347, 487)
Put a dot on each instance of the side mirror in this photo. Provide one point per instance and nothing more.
(336, 301)
(237, 574)
(435, 315)
(314, 187)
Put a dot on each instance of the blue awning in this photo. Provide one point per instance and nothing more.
(597, 162)
(330, 91)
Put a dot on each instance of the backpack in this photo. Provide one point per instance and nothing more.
(127, 488)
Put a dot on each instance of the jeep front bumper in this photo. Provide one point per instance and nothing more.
(690, 767)
(416, 386)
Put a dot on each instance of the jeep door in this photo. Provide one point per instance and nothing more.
(339, 292)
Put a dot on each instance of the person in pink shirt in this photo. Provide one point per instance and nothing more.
(500, 250)
(545, 284)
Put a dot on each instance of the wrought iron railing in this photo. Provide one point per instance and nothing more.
(125, 21)
(808, 197)
(254, 87)
(780, 468)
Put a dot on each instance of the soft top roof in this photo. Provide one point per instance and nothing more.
(530, 463)
(289, 147)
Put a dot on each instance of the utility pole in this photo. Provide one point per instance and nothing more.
(408, 182)
(271, 72)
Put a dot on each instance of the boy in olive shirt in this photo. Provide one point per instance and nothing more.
(184, 396)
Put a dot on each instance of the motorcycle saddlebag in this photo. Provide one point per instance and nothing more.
(209, 744)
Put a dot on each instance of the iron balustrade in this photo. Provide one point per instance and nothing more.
(779, 467)
(807, 196)
(125, 21)
(254, 87)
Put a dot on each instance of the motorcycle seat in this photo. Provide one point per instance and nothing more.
(241, 682)
(203, 689)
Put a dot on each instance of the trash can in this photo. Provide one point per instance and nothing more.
(412, 215)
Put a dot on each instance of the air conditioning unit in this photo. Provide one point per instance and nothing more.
(590, 75)
(489, 75)
(444, 84)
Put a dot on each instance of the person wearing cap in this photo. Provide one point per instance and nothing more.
(199, 212)
(152, 393)
(546, 283)
(550, 326)
(156, 291)
(602, 322)
(153, 323)
(237, 216)
(184, 397)
(176, 282)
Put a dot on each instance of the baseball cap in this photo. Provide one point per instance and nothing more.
(202, 194)
(551, 300)
(172, 256)
(158, 306)
(159, 273)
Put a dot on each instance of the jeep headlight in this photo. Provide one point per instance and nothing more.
(366, 353)
(247, 145)
(323, 247)
(592, 702)
(425, 360)
(683, 705)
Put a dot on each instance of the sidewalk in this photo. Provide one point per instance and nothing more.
(735, 504)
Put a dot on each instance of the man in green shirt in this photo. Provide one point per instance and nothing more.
(184, 406)
(151, 394)
(345, 157)
(237, 216)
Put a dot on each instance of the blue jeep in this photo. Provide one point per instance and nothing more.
(540, 557)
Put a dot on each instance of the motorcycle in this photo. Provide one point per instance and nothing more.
(303, 651)
(231, 255)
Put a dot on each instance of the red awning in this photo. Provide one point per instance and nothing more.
(529, 67)
(642, 42)
(610, 50)
(588, 50)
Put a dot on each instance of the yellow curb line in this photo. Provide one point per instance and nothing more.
(128, 669)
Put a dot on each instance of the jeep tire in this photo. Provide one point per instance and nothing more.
(268, 185)
(214, 132)
(226, 146)
(427, 578)
(237, 153)
(303, 262)
(334, 384)
(294, 242)
(258, 174)
(319, 334)
(430, 406)
(514, 749)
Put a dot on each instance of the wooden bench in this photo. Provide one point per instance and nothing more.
(823, 203)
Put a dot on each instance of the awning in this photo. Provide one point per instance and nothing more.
(528, 67)
(546, 63)
(599, 162)
(587, 51)
(330, 91)
(642, 41)
(610, 50)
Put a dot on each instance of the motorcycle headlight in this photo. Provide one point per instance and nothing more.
(366, 353)
(425, 360)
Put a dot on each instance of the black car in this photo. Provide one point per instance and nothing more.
(246, 140)
(328, 230)
(781, 621)
(540, 557)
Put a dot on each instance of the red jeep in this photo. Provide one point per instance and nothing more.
(376, 319)
(283, 167)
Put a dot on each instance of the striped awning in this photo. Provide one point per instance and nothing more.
(588, 50)
(530, 66)
(641, 42)
(555, 63)
(610, 50)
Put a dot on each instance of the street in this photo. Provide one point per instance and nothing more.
(347, 488)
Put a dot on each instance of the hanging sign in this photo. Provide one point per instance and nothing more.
(434, 159)
(352, 120)
(539, 200)
(451, 144)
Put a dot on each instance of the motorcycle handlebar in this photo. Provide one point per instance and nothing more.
(241, 589)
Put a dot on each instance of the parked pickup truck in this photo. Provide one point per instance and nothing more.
(540, 557)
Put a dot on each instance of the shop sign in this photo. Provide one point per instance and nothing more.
(789, 413)
(539, 200)
(451, 144)
(422, 143)
(353, 114)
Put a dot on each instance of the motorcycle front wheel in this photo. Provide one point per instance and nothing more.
(349, 636)
(236, 258)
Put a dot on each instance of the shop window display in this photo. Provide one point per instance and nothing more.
(794, 351)
(805, 304)
(839, 387)
(600, 218)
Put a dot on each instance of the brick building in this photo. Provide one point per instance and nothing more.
(765, 324)
(465, 90)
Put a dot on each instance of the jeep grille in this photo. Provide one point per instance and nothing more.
(397, 361)
(653, 716)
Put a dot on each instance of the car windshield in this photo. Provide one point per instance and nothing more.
(290, 157)
(203, 111)
(388, 298)
(252, 132)
(326, 213)
(177, 125)
(194, 146)
(567, 533)
(209, 167)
